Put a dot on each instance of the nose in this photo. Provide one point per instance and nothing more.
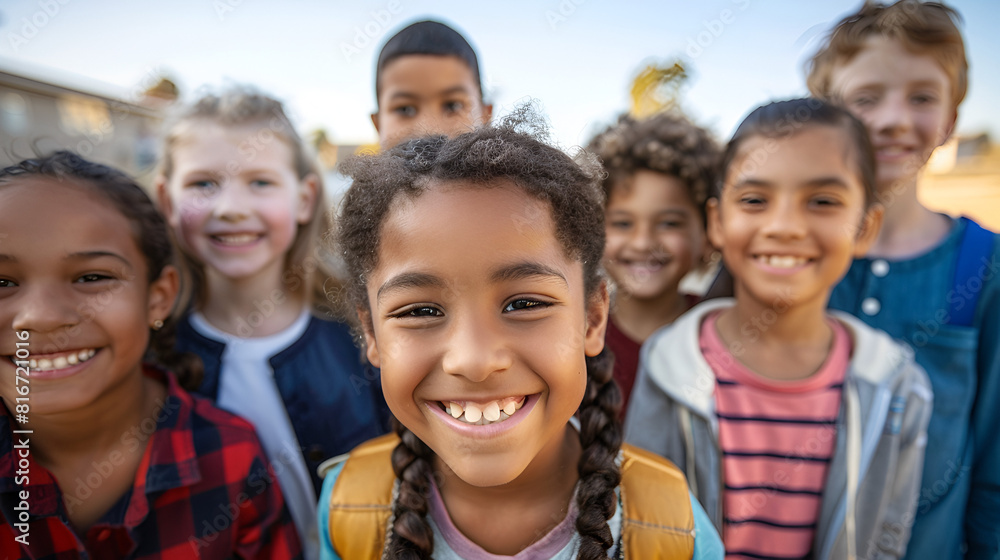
(891, 116)
(45, 310)
(641, 238)
(232, 203)
(476, 349)
(785, 220)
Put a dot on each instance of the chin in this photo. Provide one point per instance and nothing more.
(485, 471)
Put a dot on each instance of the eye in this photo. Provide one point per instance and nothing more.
(752, 201)
(408, 111)
(4, 283)
(524, 303)
(922, 99)
(825, 201)
(454, 106)
(93, 277)
(671, 224)
(261, 182)
(202, 184)
(417, 311)
(620, 224)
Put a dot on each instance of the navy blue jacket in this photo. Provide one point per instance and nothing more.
(334, 399)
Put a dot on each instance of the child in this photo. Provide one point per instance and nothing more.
(246, 207)
(802, 433)
(101, 454)
(475, 267)
(427, 82)
(659, 172)
(929, 279)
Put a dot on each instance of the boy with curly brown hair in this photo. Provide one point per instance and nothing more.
(659, 173)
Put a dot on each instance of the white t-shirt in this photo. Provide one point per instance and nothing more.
(247, 388)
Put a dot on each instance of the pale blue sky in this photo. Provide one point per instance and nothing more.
(577, 57)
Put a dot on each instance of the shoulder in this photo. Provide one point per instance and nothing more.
(216, 430)
(883, 362)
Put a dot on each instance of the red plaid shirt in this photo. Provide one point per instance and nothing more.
(202, 490)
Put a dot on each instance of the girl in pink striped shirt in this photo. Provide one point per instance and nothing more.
(802, 432)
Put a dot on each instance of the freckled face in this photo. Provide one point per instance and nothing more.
(472, 302)
(235, 200)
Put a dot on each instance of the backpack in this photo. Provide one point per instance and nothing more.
(655, 524)
(975, 248)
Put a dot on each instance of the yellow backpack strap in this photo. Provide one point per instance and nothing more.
(361, 502)
(657, 521)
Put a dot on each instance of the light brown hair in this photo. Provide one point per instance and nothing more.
(307, 264)
(929, 28)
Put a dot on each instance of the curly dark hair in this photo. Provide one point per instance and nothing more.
(667, 143)
(513, 150)
(148, 227)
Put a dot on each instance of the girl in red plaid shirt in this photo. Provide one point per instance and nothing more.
(111, 457)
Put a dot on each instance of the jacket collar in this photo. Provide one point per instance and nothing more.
(693, 385)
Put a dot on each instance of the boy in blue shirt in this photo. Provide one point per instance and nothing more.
(929, 279)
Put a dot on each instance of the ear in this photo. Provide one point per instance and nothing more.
(487, 113)
(163, 197)
(368, 330)
(163, 293)
(715, 236)
(597, 320)
(375, 122)
(871, 224)
(308, 195)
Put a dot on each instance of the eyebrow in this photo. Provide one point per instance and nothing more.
(7, 258)
(86, 255)
(508, 273)
(450, 91)
(831, 181)
(408, 280)
(525, 270)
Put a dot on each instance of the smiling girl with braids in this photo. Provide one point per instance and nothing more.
(475, 264)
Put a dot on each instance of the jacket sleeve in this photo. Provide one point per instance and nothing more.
(648, 411)
(901, 505)
(982, 516)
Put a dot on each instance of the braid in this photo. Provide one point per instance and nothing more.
(601, 439)
(162, 350)
(411, 537)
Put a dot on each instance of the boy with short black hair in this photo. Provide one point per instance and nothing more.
(929, 279)
(427, 82)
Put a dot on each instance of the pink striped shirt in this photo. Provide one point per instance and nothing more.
(777, 438)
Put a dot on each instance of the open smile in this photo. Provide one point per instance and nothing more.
(484, 419)
(58, 364)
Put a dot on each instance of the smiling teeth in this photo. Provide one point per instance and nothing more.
(236, 239)
(60, 362)
(783, 261)
(474, 413)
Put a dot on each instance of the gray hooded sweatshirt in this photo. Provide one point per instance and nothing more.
(873, 480)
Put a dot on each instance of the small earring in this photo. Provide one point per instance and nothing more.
(157, 325)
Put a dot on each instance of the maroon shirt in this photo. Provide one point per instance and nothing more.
(626, 353)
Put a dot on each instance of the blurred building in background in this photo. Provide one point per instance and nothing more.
(39, 116)
(963, 178)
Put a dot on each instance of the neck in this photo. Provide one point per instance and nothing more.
(533, 503)
(101, 427)
(781, 342)
(251, 307)
(908, 228)
(640, 317)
